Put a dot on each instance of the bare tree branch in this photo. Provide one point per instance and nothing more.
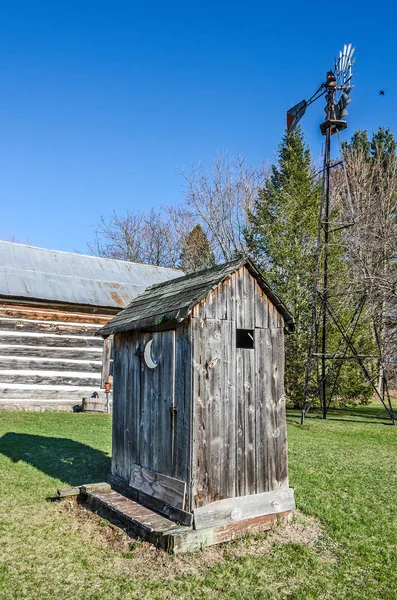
(220, 197)
(372, 241)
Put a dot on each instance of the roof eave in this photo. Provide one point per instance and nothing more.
(154, 321)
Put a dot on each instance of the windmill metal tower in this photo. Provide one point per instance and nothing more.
(336, 88)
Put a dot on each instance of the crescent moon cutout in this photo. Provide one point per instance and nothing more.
(148, 355)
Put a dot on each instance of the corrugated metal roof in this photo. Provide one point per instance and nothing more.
(38, 273)
(173, 300)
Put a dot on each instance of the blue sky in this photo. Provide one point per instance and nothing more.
(102, 103)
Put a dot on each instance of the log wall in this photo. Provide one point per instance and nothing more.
(49, 355)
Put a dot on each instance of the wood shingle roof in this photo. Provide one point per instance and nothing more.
(173, 300)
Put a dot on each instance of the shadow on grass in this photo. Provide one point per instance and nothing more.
(374, 412)
(72, 462)
(339, 419)
(366, 415)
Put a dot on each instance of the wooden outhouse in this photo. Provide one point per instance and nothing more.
(199, 427)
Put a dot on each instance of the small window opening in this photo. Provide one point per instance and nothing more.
(245, 338)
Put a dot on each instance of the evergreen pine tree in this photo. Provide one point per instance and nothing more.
(196, 251)
(282, 237)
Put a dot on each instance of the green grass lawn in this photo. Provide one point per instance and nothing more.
(342, 544)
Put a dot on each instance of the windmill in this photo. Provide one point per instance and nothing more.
(336, 89)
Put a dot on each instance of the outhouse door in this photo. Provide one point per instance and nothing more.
(156, 427)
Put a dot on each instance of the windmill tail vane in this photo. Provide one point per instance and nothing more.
(295, 114)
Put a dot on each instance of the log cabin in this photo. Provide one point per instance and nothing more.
(199, 425)
(51, 304)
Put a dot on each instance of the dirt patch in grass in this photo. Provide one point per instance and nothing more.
(95, 529)
(146, 561)
(302, 530)
(143, 560)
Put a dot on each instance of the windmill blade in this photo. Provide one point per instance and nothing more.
(295, 114)
(343, 74)
(344, 64)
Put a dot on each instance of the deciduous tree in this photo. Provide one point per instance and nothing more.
(371, 200)
(220, 197)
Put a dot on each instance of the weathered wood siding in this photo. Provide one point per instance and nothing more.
(151, 410)
(239, 437)
(49, 356)
(211, 415)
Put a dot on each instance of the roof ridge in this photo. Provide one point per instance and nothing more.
(53, 275)
(118, 260)
(214, 268)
